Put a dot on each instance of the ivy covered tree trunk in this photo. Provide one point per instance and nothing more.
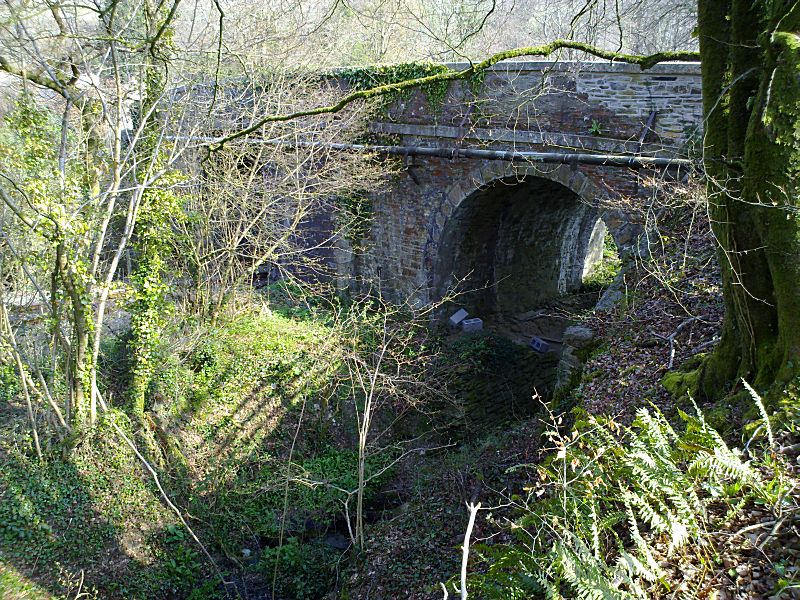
(750, 52)
(158, 204)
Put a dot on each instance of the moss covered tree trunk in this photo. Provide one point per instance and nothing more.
(750, 55)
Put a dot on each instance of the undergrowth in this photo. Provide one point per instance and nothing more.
(221, 410)
(252, 354)
(613, 504)
(89, 521)
(607, 269)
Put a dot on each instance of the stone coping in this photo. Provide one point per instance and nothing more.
(566, 66)
(568, 141)
(595, 66)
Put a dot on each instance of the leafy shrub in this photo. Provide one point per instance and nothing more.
(9, 385)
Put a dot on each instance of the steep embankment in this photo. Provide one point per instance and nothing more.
(253, 430)
(222, 420)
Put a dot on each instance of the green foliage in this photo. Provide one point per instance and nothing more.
(14, 585)
(604, 272)
(29, 158)
(267, 354)
(237, 380)
(177, 557)
(9, 384)
(29, 145)
(364, 78)
(290, 300)
(54, 227)
(473, 349)
(607, 494)
(73, 512)
(304, 571)
(161, 207)
(596, 128)
(30, 131)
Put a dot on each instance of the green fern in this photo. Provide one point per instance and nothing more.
(612, 492)
(763, 412)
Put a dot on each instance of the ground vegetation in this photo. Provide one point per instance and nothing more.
(192, 406)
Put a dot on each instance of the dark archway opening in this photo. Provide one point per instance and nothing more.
(517, 245)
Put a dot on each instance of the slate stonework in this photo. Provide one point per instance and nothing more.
(522, 106)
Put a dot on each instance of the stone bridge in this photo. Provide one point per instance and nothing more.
(520, 232)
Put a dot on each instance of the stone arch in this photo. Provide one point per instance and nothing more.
(513, 237)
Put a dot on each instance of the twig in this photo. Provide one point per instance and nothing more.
(473, 511)
(671, 338)
(705, 345)
(772, 533)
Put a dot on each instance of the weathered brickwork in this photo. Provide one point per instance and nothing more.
(417, 246)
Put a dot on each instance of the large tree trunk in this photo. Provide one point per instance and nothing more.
(750, 58)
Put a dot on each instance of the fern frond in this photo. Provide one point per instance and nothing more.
(641, 545)
(763, 412)
(634, 568)
(586, 576)
(722, 466)
(650, 516)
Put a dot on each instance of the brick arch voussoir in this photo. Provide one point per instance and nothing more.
(485, 173)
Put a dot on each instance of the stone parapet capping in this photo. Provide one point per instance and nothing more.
(594, 66)
(598, 106)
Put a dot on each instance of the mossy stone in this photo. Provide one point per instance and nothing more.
(682, 383)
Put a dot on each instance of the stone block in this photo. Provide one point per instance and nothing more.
(472, 325)
(457, 317)
(539, 345)
(578, 336)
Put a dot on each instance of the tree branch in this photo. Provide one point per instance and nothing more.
(40, 79)
(645, 62)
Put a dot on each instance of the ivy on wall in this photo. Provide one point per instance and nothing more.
(160, 208)
(364, 78)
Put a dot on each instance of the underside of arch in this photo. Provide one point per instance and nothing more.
(516, 243)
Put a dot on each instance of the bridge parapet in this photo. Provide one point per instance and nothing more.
(591, 106)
